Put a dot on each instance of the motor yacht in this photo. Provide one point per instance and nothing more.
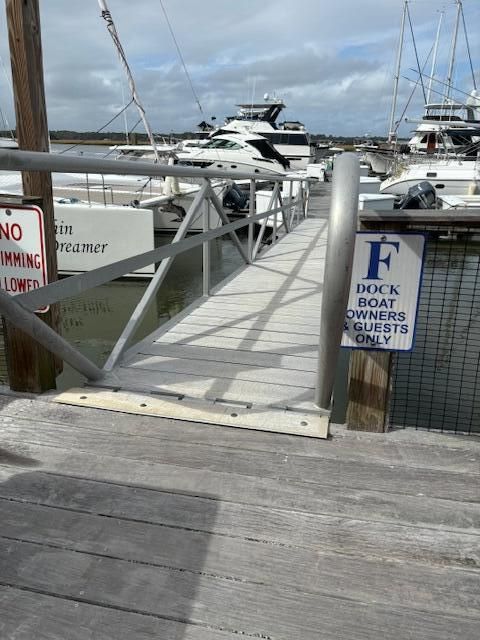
(242, 153)
(289, 138)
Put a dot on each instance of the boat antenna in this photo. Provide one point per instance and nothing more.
(107, 16)
(416, 52)
(197, 99)
(468, 47)
(434, 59)
(397, 73)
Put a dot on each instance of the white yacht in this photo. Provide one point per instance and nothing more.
(449, 176)
(289, 138)
(242, 153)
(448, 128)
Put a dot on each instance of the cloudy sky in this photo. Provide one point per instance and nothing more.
(332, 61)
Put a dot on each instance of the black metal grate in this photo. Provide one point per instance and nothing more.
(436, 385)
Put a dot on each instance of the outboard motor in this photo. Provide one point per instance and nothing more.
(235, 198)
(420, 196)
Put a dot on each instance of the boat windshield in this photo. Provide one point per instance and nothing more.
(219, 143)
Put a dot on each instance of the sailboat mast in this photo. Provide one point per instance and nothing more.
(107, 16)
(434, 60)
(453, 48)
(391, 131)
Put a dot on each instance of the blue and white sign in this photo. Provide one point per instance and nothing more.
(383, 301)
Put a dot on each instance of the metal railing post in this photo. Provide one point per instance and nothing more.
(338, 271)
(275, 217)
(88, 188)
(206, 249)
(291, 209)
(103, 191)
(307, 198)
(264, 223)
(300, 202)
(251, 212)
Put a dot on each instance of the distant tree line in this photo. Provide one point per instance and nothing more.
(62, 135)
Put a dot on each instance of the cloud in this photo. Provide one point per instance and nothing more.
(332, 62)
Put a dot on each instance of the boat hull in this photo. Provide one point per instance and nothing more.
(447, 179)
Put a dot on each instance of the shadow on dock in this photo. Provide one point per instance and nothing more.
(92, 558)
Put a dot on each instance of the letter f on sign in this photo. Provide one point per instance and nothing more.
(376, 258)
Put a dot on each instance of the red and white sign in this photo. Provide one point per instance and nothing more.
(23, 264)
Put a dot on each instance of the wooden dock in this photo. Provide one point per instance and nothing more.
(244, 357)
(116, 527)
(132, 527)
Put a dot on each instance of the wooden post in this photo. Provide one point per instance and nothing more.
(369, 377)
(369, 390)
(31, 368)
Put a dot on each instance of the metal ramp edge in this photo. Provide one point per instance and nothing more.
(312, 424)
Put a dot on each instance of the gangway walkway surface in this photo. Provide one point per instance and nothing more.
(246, 356)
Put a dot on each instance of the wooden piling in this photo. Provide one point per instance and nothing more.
(31, 368)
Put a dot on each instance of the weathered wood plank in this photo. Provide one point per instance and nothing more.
(235, 547)
(404, 447)
(285, 518)
(369, 390)
(26, 615)
(226, 604)
(256, 464)
(293, 467)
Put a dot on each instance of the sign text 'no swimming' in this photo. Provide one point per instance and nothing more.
(23, 264)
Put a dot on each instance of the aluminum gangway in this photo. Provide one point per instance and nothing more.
(258, 351)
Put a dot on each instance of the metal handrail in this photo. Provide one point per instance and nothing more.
(17, 160)
(76, 284)
(21, 307)
(338, 271)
